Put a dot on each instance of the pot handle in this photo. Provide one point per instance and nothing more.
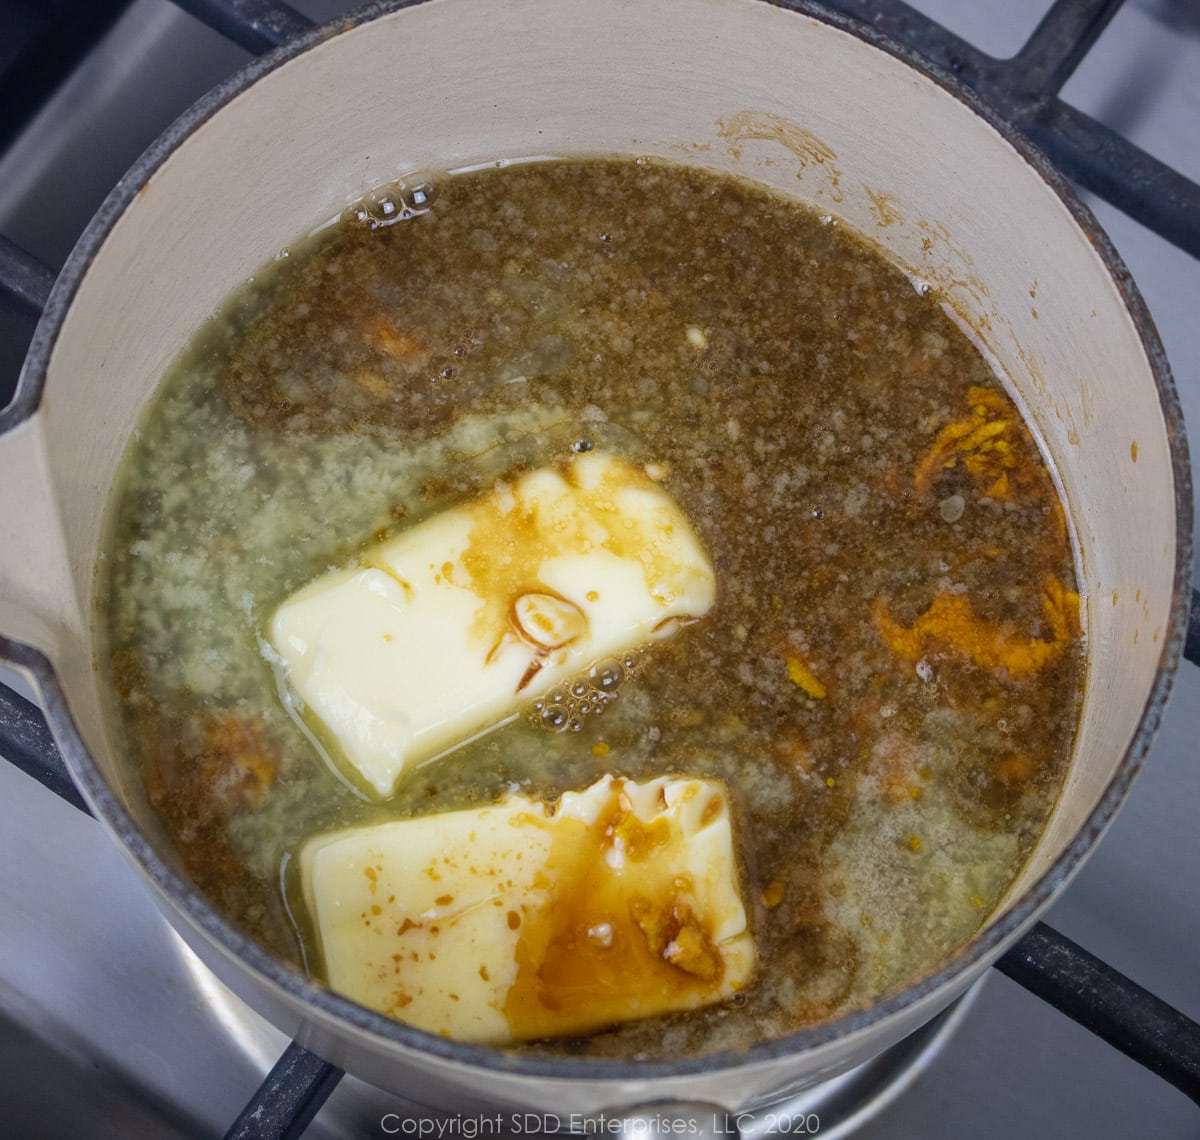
(35, 586)
(38, 597)
(33, 561)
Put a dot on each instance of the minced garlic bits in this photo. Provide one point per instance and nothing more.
(519, 921)
(442, 632)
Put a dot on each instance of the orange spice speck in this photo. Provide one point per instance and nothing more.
(802, 676)
(772, 894)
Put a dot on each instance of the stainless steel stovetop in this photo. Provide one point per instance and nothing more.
(108, 1025)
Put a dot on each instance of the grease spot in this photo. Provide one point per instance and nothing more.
(884, 206)
(803, 144)
(1133, 451)
(1087, 405)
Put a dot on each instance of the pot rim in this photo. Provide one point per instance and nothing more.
(979, 952)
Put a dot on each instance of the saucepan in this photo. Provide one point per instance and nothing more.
(786, 94)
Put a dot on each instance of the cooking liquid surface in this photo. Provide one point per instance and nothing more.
(888, 683)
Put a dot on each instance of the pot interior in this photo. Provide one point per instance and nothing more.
(731, 85)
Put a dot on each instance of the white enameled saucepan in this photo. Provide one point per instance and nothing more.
(781, 93)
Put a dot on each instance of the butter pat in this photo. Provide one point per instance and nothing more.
(517, 921)
(442, 632)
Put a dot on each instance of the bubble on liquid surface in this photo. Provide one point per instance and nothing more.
(567, 708)
(951, 509)
(392, 202)
(607, 675)
(421, 196)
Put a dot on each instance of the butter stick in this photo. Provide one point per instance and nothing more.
(514, 921)
(444, 631)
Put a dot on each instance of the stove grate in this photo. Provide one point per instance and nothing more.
(1024, 89)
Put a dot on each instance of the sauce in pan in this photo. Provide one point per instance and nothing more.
(886, 684)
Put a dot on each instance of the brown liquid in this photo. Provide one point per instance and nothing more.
(887, 684)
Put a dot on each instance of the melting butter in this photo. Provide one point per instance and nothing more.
(442, 632)
(519, 921)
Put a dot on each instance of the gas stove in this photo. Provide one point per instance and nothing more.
(109, 1026)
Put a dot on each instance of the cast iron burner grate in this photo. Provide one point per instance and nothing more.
(1024, 89)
